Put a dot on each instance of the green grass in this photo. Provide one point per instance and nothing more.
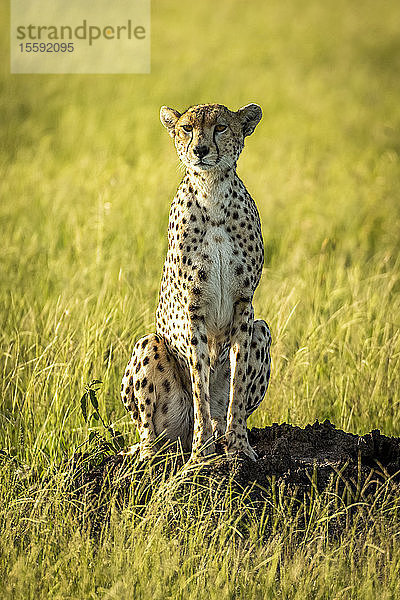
(87, 174)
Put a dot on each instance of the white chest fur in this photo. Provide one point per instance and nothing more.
(218, 289)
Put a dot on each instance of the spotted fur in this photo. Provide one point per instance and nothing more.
(207, 367)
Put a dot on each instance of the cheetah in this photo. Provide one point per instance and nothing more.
(207, 366)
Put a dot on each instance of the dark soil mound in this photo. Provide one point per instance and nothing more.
(317, 456)
(320, 453)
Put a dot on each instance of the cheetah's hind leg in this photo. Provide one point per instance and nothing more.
(259, 367)
(153, 392)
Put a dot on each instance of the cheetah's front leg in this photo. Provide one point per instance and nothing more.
(199, 364)
(241, 336)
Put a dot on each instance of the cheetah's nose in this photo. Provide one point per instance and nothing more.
(200, 151)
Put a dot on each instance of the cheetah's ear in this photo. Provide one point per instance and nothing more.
(249, 115)
(169, 117)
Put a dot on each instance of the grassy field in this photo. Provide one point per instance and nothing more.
(87, 175)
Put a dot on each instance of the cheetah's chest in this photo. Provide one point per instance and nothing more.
(218, 290)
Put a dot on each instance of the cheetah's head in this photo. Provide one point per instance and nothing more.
(210, 136)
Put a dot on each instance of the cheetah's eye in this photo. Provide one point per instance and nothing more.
(220, 128)
(187, 128)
